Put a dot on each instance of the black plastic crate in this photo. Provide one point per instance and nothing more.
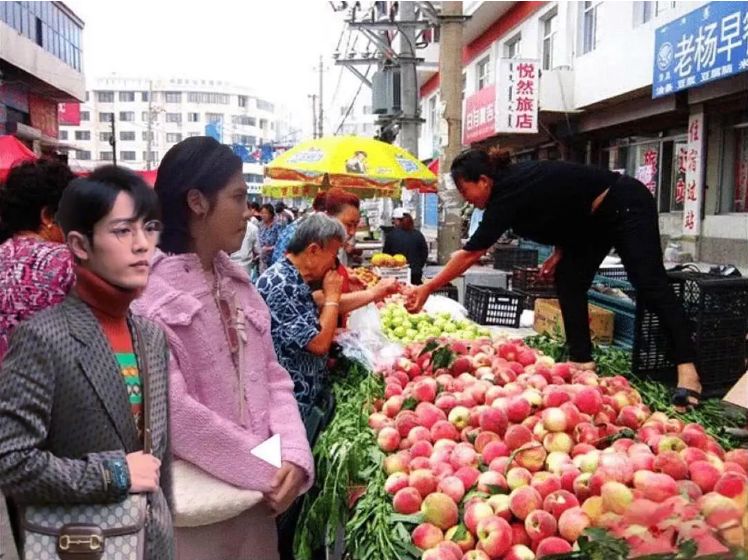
(617, 272)
(529, 297)
(487, 305)
(506, 258)
(528, 279)
(449, 291)
(717, 310)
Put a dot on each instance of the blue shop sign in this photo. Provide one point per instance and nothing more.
(707, 44)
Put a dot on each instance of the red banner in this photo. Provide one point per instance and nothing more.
(480, 113)
(43, 115)
(69, 113)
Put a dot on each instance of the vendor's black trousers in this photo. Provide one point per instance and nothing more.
(626, 220)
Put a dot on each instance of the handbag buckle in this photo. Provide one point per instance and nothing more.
(88, 542)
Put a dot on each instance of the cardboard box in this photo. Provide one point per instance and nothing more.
(548, 320)
(738, 395)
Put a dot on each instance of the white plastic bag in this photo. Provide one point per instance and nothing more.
(441, 304)
(364, 339)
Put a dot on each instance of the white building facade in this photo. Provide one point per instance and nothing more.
(598, 104)
(152, 115)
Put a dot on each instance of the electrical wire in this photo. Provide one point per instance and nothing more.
(353, 102)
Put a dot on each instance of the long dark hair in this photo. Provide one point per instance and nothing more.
(30, 188)
(473, 163)
(200, 163)
(86, 201)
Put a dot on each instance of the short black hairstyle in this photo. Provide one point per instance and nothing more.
(254, 205)
(87, 201)
(201, 163)
(280, 207)
(30, 188)
(474, 162)
(269, 208)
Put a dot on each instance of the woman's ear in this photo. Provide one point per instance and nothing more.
(46, 218)
(79, 245)
(197, 203)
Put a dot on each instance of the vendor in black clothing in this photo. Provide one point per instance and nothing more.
(406, 240)
(584, 212)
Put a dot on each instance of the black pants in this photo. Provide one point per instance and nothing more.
(627, 220)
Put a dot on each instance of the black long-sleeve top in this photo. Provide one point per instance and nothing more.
(549, 202)
(410, 243)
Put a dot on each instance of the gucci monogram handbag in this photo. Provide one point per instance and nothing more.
(115, 531)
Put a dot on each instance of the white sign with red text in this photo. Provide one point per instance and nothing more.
(517, 96)
(694, 175)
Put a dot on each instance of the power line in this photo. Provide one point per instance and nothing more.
(353, 102)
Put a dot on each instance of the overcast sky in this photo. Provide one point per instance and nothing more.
(272, 46)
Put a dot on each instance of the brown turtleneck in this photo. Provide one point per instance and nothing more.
(110, 305)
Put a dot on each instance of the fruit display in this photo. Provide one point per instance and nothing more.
(401, 326)
(364, 275)
(389, 261)
(494, 451)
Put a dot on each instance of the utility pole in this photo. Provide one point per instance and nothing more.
(450, 90)
(321, 98)
(113, 141)
(313, 97)
(409, 93)
(149, 134)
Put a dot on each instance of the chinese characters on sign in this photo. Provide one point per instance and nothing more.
(704, 45)
(480, 112)
(680, 174)
(693, 187)
(517, 96)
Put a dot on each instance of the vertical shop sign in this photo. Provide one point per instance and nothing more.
(694, 175)
(69, 114)
(680, 175)
(43, 115)
(479, 122)
(517, 95)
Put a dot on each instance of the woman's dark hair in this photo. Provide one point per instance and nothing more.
(200, 163)
(337, 199)
(30, 188)
(269, 208)
(255, 206)
(319, 202)
(87, 201)
(473, 163)
(280, 207)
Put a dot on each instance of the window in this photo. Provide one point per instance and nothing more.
(105, 96)
(106, 117)
(105, 136)
(193, 134)
(63, 135)
(589, 26)
(127, 156)
(243, 100)
(662, 7)
(643, 12)
(213, 118)
(263, 105)
(82, 134)
(85, 116)
(126, 96)
(83, 154)
(734, 166)
(144, 116)
(549, 26)
(253, 178)
(243, 139)
(205, 97)
(106, 156)
(147, 136)
(193, 117)
(153, 158)
(127, 135)
(127, 116)
(144, 95)
(243, 120)
(173, 137)
(174, 117)
(483, 73)
(263, 124)
(512, 48)
(432, 114)
(173, 96)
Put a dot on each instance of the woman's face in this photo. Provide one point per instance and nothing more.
(321, 260)
(266, 216)
(226, 223)
(477, 192)
(121, 246)
(349, 216)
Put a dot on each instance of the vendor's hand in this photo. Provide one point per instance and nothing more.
(385, 287)
(417, 298)
(332, 285)
(285, 487)
(548, 268)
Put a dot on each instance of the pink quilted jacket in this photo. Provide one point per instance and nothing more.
(210, 427)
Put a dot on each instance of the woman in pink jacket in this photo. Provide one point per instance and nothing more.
(226, 396)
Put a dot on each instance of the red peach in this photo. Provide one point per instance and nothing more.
(407, 501)
(501, 505)
(388, 439)
(739, 456)
(393, 405)
(704, 474)
(493, 450)
(519, 552)
(616, 497)
(444, 429)
(461, 537)
(425, 390)
(690, 489)
(572, 524)
(417, 463)
(545, 483)
(524, 500)
(468, 476)
(440, 510)
(655, 486)
(554, 420)
(493, 420)
(540, 524)
(427, 536)
(692, 454)
(499, 464)
(421, 448)
(491, 482)
(516, 436)
(671, 463)
(588, 400)
(518, 409)
(396, 482)
(552, 545)
(494, 535)
(531, 456)
(464, 455)
(518, 477)
(423, 481)
(405, 421)
(397, 462)
(419, 433)
(429, 414)
(731, 484)
(484, 438)
(559, 501)
(476, 512)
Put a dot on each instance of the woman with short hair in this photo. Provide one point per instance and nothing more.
(270, 230)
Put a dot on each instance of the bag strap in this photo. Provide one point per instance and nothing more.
(145, 379)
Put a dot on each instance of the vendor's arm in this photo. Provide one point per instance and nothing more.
(355, 300)
(328, 317)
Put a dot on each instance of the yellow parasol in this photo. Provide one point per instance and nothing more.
(276, 188)
(351, 162)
